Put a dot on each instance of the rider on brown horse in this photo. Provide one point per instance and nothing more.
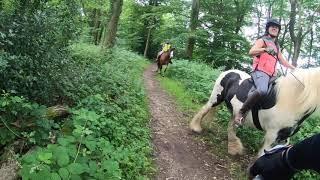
(166, 47)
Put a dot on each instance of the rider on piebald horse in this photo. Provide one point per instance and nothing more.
(165, 48)
(266, 53)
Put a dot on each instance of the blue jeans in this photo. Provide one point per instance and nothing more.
(261, 81)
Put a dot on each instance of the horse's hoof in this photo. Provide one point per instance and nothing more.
(235, 148)
(197, 130)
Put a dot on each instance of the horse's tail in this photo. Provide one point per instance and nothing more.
(215, 99)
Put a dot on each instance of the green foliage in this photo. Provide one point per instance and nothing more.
(131, 26)
(21, 118)
(33, 37)
(197, 78)
(165, 19)
(108, 137)
(177, 89)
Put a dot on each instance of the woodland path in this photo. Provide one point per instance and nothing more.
(177, 154)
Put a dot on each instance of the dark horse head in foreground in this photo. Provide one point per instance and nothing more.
(280, 114)
(164, 59)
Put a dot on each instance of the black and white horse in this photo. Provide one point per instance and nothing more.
(291, 100)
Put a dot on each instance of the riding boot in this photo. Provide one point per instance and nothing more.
(247, 105)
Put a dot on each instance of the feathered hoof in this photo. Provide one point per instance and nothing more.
(235, 148)
(195, 129)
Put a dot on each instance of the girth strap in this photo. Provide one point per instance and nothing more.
(255, 118)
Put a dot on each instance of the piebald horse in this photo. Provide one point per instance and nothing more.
(292, 99)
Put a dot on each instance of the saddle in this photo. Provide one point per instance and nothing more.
(266, 102)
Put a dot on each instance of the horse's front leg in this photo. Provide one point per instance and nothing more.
(195, 124)
(166, 68)
(160, 69)
(269, 138)
(159, 66)
(234, 143)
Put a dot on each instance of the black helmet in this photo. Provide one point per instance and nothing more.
(272, 22)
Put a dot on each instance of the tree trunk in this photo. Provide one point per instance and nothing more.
(242, 8)
(295, 38)
(282, 39)
(259, 14)
(96, 28)
(193, 26)
(147, 43)
(111, 30)
(310, 48)
(269, 11)
(83, 8)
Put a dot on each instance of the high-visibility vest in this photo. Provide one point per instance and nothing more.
(166, 47)
(266, 62)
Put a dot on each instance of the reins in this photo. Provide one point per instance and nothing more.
(290, 73)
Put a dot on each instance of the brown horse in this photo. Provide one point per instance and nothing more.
(164, 59)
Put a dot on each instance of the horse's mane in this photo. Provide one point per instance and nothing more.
(299, 97)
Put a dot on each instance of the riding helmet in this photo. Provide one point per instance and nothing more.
(272, 22)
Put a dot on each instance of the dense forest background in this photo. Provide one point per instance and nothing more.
(70, 73)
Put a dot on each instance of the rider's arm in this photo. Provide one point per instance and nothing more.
(257, 48)
(284, 61)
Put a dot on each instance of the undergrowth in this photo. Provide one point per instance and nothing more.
(106, 135)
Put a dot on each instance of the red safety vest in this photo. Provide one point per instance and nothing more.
(266, 62)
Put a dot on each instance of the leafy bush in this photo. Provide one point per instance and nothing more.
(33, 37)
(107, 136)
(23, 119)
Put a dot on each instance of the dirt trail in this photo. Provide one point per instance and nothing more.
(177, 154)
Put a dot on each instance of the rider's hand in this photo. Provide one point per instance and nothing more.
(272, 166)
(270, 51)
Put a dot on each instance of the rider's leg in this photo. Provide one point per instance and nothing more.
(159, 54)
(261, 81)
(246, 106)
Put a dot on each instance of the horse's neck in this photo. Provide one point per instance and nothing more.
(296, 98)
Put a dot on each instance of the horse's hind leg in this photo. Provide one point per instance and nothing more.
(234, 143)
